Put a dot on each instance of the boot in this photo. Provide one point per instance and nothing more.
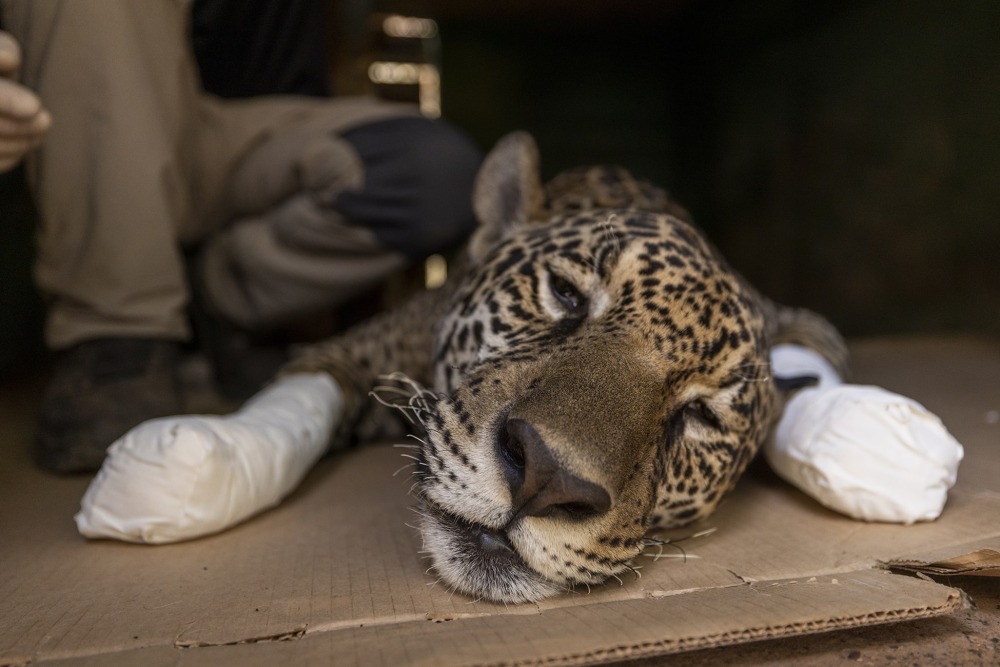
(100, 389)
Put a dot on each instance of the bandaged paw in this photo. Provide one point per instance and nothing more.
(178, 478)
(863, 451)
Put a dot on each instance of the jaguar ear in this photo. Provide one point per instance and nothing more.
(508, 191)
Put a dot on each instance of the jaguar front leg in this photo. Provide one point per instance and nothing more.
(398, 341)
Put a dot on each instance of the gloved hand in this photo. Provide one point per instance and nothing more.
(23, 119)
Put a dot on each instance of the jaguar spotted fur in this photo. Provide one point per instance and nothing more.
(595, 370)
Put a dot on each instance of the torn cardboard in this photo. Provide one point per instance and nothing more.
(979, 563)
(335, 574)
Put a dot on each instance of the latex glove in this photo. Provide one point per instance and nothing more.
(23, 119)
(863, 451)
(178, 478)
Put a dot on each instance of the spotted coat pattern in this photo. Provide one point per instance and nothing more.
(598, 371)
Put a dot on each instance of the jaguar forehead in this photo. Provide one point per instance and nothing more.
(602, 389)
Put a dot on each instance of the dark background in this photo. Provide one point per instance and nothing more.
(845, 155)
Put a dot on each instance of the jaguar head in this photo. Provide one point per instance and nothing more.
(601, 372)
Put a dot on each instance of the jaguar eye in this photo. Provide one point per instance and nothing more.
(568, 295)
(701, 411)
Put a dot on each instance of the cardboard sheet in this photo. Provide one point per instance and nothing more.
(335, 573)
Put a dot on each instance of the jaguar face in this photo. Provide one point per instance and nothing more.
(601, 372)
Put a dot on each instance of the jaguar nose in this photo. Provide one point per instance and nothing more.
(539, 484)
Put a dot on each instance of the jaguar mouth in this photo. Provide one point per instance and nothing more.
(478, 560)
(487, 543)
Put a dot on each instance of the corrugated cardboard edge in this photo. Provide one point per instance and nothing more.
(576, 635)
(789, 598)
(980, 558)
(979, 563)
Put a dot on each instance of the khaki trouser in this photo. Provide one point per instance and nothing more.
(139, 162)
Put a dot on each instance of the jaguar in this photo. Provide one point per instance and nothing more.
(592, 370)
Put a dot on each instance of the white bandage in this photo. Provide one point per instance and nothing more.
(862, 451)
(178, 478)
